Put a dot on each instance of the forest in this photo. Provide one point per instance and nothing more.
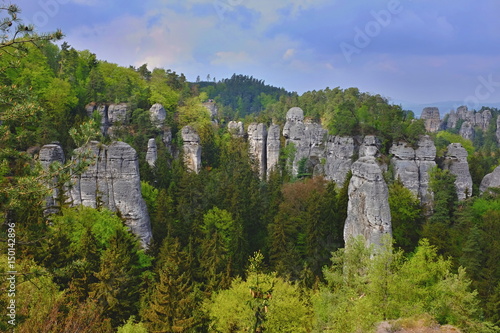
(231, 251)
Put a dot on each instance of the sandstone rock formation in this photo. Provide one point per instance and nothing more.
(191, 148)
(212, 110)
(339, 158)
(118, 113)
(113, 181)
(432, 119)
(498, 130)
(157, 114)
(425, 156)
(412, 166)
(49, 154)
(257, 139)
(152, 153)
(166, 138)
(456, 162)
(273, 147)
(236, 129)
(368, 211)
(490, 180)
(467, 131)
(405, 166)
(308, 139)
(473, 119)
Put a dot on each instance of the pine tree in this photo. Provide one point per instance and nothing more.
(119, 279)
(172, 301)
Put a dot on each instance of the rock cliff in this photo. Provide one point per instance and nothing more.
(157, 114)
(113, 181)
(191, 148)
(339, 158)
(368, 211)
(257, 139)
(49, 154)
(273, 147)
(432, 119)
(467, 131)
(236, 129)
(456, 162)
(425, 156)
(490, 180)
(152, 153)
(470, 118)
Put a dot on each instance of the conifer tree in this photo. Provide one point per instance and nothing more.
(172, 302)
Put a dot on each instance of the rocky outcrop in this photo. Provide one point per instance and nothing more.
(273, 147)
(212, 110)
(431, 118)
(412, 166)
(490, 180)
(166, 138)
(498, 130)
(152, 153)
(456, 162)
(308, 139)
(405, 166)
(370, 147)
(467, 131)
(118, 113)
(113, 181)
(339, 158)
(425, 156)
(470, 118)
(49, 154)
(191, 148)
(257, 139)
(236, 129)
(368, 211)
(157, 114)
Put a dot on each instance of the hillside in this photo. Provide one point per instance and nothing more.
(134, 200)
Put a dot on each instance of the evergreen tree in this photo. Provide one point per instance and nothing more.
(172, 302)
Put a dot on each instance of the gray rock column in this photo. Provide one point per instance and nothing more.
(257, 139)
(49, 154)
(113, 181)
(456, 162)
(432, 119)
(152, 153)
(191, 148)
(490, 180)
(368, 211)
(273, 147)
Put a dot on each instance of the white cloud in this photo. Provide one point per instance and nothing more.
(288, 54)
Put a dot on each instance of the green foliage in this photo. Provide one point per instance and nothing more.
(132, 327)
(406, 216)
(261, 302)
(444, 138)
(366, 285)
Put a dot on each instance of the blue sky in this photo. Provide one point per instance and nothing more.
(416, 51)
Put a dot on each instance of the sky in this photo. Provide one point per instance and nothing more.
(409, 51)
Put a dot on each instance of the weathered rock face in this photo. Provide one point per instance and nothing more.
(273, 147)
(467, 131)
(113, 181)
(370, 147)
(405, 166)
(339, 154)
(157, 115)
(191, 148)
(471, 119)
(118, 113)
(432, 119)
(257, 139)
(152, 153)
(498, 130)
(236, 129)
(425, 156)
(412, 166)
(212, 110)
(456, 162)
(308, 139)
(490, 180)
(368, 211)
(49, 154)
